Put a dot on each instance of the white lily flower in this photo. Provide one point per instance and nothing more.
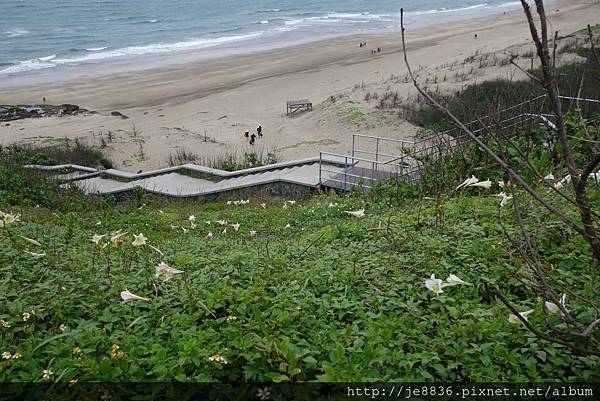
(515, 320)
(468, 182)
(505, 198)
(236, 226)
(128, 296)
(253, 233)
(291, 202)
(285, 206)
(224, 231)
(139, 240)
(549, 177)
(97, 238)
(482, 184)
(209, 235)
(222, 222)
(434, 285)
(454, 280)
(166, 271)
(263, 205)
(192, 219)
(161, 212)
(245, 202)
(10, 218)
(359, 213)
(288, 225)
(208, 222)
(501, 184)
(332, 205)
(116, 235)
(229, 203)
(36, 255)
(31, 241)
(553, 308)
(157, 250)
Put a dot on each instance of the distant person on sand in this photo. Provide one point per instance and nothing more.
(252, 139)
(247, 134)
(475, 36)
(259, 131)
(44, 100)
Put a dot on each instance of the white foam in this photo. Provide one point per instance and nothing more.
(96, 49)
(263, 22)
(47, 58)
(159, 48)
(16, 32)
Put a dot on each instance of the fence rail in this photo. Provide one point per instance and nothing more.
(375, 158)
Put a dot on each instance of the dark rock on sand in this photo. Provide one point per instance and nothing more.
(20, 112)
(118, 114)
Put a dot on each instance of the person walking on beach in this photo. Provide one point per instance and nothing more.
(259, 131)
(247, 134)
(252, 139)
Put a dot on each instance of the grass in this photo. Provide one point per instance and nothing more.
(227, 161)
(65, 152)
(484, 98)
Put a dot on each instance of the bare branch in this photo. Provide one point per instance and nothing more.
(592, 46)
(475, 139)
(529, 75)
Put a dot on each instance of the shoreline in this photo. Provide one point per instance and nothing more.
(175, 107)
(132, 58)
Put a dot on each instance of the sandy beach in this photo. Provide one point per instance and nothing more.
(205, 107)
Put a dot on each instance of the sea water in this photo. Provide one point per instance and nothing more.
(63, 36)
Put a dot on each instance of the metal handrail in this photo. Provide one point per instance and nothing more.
(374, 153)
(384, 138)
(346, 157)
(453, 138)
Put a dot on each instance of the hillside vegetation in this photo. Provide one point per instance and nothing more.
(298, 291)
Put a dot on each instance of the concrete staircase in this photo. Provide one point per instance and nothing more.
(191, 181)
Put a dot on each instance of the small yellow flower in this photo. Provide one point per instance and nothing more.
(4, 324)
(26, 316)
(231, 318)
(17, 355)
(47, 374)
(115, 353)
(72, 381)
(217, 358)
(76, 351)
(63, 327)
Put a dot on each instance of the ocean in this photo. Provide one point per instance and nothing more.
(64, 36)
